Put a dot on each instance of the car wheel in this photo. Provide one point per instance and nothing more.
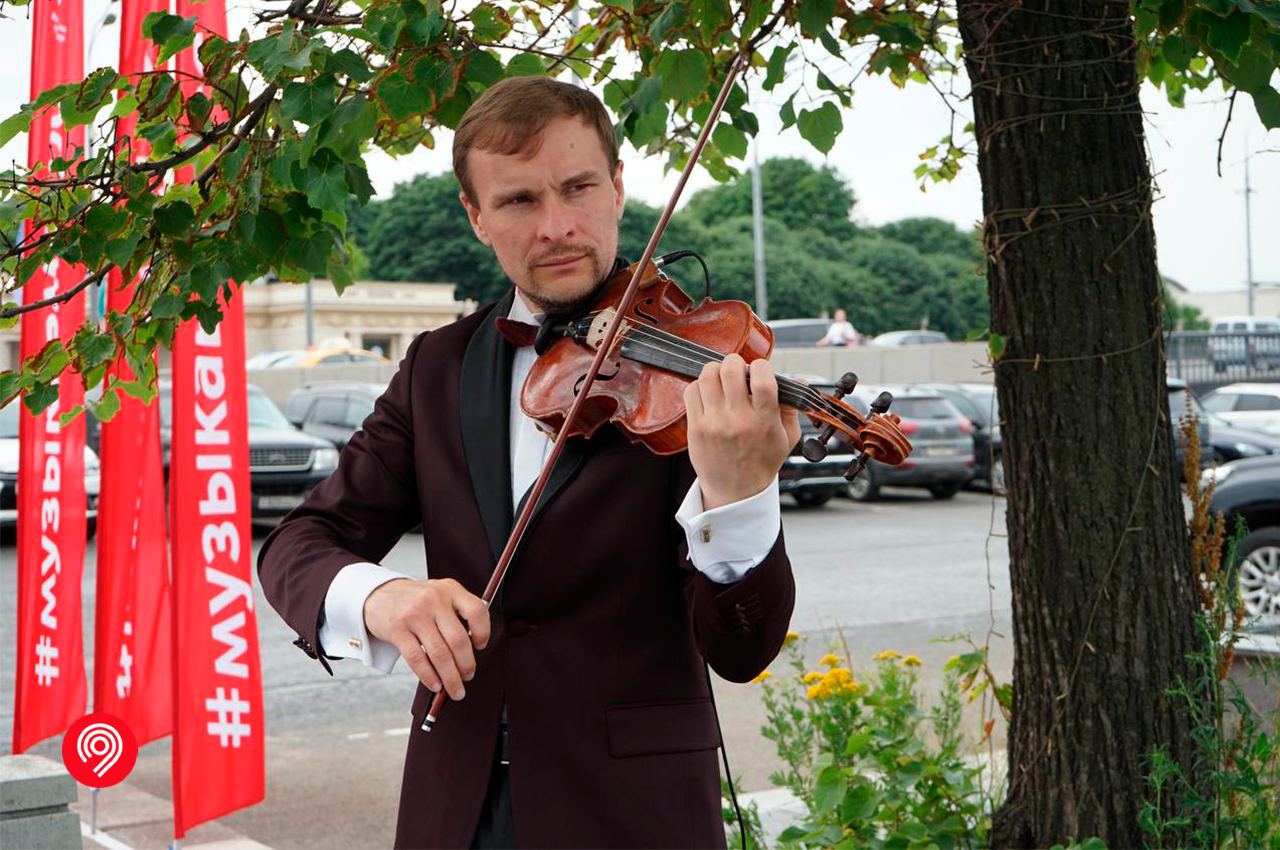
(811, 498)
(1259, 574)
(863, 488)
(945, 491)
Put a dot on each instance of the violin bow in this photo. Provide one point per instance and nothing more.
(535, 493)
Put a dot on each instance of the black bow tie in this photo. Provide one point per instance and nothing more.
(519, 334)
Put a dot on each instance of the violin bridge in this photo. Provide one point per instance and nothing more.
(600, 327)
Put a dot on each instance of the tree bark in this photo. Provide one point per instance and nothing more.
(1103, 598)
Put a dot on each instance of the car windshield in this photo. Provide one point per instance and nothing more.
(263, 413)
(923, 408)
(9, 421)
(987, 403)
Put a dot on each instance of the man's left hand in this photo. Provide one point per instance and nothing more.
(738, 437)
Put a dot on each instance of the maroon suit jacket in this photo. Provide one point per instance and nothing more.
(600, 630)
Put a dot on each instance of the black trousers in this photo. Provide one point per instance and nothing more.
(497, 828)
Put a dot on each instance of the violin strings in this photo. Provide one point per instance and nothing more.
(794, 390)
(790, 391)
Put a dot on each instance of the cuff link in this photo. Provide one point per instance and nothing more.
(706, 533)
(356, 644)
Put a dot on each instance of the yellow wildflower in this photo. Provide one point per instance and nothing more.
(887, 655)
(829, 660)
(811, 677)
(816, 691)
(758, 679)
(790, 638)
(912, 661)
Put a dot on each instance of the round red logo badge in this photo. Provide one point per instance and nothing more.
(99, 750)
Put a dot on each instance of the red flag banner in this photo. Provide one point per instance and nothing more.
(218, 751)
(132, 632)
(50, 688)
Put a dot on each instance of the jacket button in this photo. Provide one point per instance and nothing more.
(517, 628)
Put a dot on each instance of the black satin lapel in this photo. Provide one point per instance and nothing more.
(484, 399)
(575, 453)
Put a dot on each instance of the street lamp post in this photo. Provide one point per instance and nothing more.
(96, 292)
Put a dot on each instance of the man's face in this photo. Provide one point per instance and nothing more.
(840, 316)
(551, 218)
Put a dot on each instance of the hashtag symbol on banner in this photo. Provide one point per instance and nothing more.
(46, 656)
(228, 727)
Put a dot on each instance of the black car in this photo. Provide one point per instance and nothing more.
(1250, 490)
(1231, 443)
(284, 463)
(980, 404)
(332, 410)
(814, 483)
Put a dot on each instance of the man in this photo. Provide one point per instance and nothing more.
(841, 331)
(583, 712)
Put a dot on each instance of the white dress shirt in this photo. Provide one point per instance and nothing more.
(724, 543)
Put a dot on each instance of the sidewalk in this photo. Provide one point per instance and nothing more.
(130, 819)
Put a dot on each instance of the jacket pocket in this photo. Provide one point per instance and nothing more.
(668, 727)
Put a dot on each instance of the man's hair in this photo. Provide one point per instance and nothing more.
(510, 116)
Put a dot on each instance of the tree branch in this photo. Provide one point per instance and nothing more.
(19, 309)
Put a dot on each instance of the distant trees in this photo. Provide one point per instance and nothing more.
(911, 273)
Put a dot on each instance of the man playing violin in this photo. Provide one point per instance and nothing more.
(585, 715)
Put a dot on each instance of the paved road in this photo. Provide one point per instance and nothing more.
(893, 574)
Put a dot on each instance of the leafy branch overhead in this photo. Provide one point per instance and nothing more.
(277, 127)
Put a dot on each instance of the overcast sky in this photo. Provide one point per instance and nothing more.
(1199, 217)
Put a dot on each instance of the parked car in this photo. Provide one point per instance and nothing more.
(332, 411)
(326, 356)
(284, 463)
(1230, 443)
(1252, 406)
(894, 339)
(813, 483)
(979, 403)
(9, 472)
(1248, 340)
(941, 436)
(798, 333)
(1250, 490)
(268, 359)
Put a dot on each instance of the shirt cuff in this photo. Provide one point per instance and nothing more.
(343, 633)
(726, 542)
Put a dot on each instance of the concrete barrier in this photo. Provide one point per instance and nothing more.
(950, 362)
(35, 793)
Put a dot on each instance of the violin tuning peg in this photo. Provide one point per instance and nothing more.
(859, 464)
(847, 383)
(813, 449)
(882, 402)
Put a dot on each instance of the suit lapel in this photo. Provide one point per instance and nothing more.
(484, 409)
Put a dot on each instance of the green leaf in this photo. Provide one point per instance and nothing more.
(96, 88)
(711, 16)
(120, 251)
(13, 125)
(814, 16)
(124, 105)
(1229, 35)
(358, 180)
(484, 68)
(672, 18)
(40, 396)
(1252, 72)
(996, 345)
(1179, 52)
(172, 33)
(326, 184)
(788, 112)
(489, 23)
(10, 382)
(309, 102)
(525, 65)
(777, 65)
(1267, 102)
(175, 219)
(830, 788)
(105, 220)
(167, 306)
(685, 73)
(819, 127)
(859, 803)
(730, 140)
(108, 406)
(400, 96)
(348, 63)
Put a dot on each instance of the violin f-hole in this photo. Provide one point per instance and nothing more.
(601, 376)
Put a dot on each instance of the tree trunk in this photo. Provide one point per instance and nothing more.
(1103, 599)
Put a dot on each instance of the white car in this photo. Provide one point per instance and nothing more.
(9, 471)
(1252, 406)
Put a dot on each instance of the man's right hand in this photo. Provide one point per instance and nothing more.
(428, 622)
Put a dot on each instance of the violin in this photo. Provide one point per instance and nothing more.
(663, 342)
